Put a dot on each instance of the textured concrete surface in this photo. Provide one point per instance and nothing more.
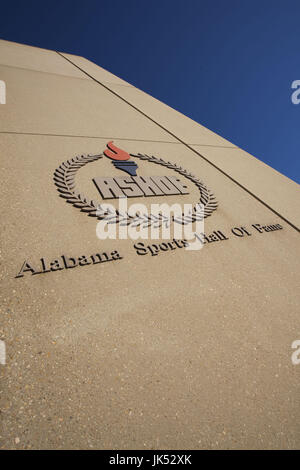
(186, 349)
(34, 58)
(275, 189)
(183, 127)
(41, 103)
(94, 70)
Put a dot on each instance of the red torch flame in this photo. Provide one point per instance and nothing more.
(115, 153)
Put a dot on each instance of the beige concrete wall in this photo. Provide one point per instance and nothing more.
(34, 58)
(186, 349)
(94, 70)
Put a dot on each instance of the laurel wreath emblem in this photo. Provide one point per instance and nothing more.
(64, 179)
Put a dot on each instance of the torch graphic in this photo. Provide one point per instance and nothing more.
(120, 159)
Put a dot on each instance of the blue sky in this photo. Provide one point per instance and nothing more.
(228, 65)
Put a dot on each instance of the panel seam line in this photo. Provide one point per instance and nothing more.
(185, 144)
